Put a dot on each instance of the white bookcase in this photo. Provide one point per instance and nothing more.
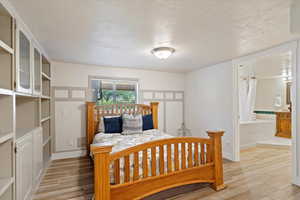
(7, 106)
(46, 110)
(27, 115)
(37, 68)
(25, 106)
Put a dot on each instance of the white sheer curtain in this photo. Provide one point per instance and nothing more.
(243, 93)
(247, 95)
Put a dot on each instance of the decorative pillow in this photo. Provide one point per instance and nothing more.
(101, 128)
(147, 122)
(112, 124)
(132, 124)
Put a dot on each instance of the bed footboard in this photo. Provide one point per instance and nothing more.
(155, 166)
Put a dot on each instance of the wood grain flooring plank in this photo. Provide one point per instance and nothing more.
(262, 174)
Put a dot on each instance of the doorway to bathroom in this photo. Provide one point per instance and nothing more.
(265, 104)
(264, 89)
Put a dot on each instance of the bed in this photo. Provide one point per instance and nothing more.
(136, 166)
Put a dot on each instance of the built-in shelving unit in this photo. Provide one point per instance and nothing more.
(7, 106)
(45, 97)
(7, 166)
(46, 68)
(46, 88)
(27, 115)
(5, 137)
(45, 119)
(24, 75)
(6, 188)
(6, 92)
(6, 49)
(37, 64)
(7, 115)
(45, 76)
(46, 109)
(46, 131)
(25, 107)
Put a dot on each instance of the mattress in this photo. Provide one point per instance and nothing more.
(121, 142)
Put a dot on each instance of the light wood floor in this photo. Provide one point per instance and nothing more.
(262, 174)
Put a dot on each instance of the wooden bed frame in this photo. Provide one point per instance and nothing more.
(199, 161)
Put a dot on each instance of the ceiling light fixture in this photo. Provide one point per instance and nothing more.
(163, 52)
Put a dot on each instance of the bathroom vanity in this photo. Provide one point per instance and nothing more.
(283, 124)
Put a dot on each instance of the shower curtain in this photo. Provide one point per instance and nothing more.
(247, 95)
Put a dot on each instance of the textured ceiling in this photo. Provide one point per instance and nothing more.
(122, 32)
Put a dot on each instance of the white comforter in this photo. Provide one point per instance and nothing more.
(121, 142)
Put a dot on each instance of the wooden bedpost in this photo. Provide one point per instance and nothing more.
(90, 126)
(216, 137)
(154, 111)
(101, 172)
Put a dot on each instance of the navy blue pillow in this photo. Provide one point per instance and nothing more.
(113, 125)
(147, 122)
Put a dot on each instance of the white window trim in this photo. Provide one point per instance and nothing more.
(118, 79)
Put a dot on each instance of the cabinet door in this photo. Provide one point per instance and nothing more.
(23, 64)
(37, 154)
(37, 72)
(24, 167)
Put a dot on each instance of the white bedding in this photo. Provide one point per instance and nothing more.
(121, 142)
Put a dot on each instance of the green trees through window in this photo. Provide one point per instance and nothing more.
(115, 91)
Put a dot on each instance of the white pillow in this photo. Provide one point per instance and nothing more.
(132, 124)
(101, 125)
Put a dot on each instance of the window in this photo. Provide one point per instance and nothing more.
(107, 91)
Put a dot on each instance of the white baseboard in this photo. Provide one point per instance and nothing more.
(296, 181)
(69, 154)
(246, 146)
(228, 156)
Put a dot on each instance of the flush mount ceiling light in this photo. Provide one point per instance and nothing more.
(162, 52)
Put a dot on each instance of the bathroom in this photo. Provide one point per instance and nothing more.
(264, 87)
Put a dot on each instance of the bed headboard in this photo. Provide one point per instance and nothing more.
(94, 114)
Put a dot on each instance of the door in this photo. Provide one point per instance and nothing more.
(37, 154)
(23, 63)
(24, 167)
(37, 72)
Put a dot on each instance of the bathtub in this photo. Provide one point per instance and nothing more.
(254, 131)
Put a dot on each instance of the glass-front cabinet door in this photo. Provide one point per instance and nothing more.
(24, 83)
(37, 72)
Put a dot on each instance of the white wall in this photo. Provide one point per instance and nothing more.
(70, 120)
(270, 85)
(295, 118)
(266, 93)
(209, 102)
(76, 75)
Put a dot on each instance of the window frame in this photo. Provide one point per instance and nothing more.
(115, 81)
